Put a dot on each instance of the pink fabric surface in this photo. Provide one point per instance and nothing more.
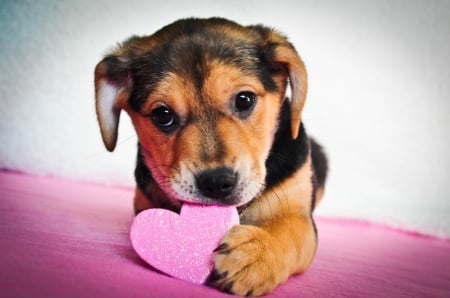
(67, 239)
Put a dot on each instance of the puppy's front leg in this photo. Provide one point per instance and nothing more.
(253, 260)
(277, 240)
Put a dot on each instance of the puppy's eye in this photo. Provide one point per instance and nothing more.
(164, 118)
(245, 102)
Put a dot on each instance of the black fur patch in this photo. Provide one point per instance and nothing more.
(320, 163)
(115, 70)
(319, 168)
(142, 174)
(286, 155)
(149, 187)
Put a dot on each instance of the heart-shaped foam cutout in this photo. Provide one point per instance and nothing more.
(182, 245)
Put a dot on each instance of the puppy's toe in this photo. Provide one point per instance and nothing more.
(248, 262)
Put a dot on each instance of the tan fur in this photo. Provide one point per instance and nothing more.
(264, 250)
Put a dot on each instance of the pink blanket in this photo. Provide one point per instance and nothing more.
(69, 239)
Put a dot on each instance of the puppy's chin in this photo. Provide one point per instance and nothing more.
(231, 201)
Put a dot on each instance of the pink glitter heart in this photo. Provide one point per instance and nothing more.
(182, 245)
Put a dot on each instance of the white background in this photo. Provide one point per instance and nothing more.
(379, 94)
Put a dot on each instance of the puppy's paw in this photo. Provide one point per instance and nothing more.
(248, 262)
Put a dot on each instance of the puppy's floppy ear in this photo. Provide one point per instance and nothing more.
(112, 88)
(282, 53)
(287, 55)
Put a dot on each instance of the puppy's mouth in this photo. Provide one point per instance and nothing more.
(220, 185)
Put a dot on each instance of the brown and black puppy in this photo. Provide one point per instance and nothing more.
(207, 100)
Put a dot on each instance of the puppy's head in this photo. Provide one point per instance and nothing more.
(204, 96)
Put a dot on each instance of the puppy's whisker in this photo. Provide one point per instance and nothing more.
(280, 194)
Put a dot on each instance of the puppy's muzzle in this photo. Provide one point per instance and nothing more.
(217, 184)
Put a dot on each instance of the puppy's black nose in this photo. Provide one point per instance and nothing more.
(216, 183)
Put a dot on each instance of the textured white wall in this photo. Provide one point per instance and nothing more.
(379, 94)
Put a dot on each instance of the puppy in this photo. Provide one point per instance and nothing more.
(207, 100)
